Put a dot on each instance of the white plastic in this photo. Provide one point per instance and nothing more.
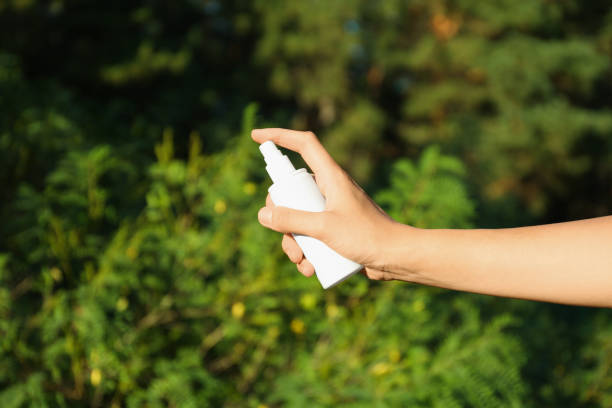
(297, 189)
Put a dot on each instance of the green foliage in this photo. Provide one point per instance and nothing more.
(518, 95)
(397, 357)
(191, 302)
(430, 193)
(133, 271)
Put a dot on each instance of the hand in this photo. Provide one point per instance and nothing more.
(352, 224)
(565, 263)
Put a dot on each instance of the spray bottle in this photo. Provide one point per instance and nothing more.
(297, 189)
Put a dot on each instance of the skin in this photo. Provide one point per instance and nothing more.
(568, 262)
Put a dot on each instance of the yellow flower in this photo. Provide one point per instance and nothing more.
(297, 326)
(95, 377)
(122, 304)
(379, 369)
(332, 310)
(131, 252)
(238, 310)
(394, 356)
(220, 206)
(56, 274)
(308, 301)
(249, 188)
(418, 305)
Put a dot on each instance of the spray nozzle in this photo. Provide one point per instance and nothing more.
(278, 165)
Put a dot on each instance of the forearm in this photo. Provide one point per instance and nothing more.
(564, 263)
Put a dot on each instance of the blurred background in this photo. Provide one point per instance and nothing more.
(133, 271)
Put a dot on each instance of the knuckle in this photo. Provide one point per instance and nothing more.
(277, 218)
(310, 139)
(310, 136)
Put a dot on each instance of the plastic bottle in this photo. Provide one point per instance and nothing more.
(297, 189)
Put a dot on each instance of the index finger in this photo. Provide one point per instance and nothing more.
(304, 143)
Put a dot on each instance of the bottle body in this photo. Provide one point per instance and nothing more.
(299, 191)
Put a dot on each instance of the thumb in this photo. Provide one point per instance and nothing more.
(283, 219)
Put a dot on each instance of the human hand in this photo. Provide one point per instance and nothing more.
(352, 224)
(566, 262)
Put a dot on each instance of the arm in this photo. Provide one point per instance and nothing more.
(568, 262)
(564, 263)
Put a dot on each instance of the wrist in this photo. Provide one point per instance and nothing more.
(404, 254)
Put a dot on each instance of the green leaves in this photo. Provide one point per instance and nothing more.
(429, 193)
(192, 303)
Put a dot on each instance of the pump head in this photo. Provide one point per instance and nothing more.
(278, 165)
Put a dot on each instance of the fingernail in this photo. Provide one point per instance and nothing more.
(265, 216)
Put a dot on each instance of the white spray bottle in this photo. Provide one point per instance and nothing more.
(297, 189)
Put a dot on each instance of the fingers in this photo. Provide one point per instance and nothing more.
(289, 245)
(269, 202)
(305, 143)
(305, 268)
(283, 219)
(292, 249)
